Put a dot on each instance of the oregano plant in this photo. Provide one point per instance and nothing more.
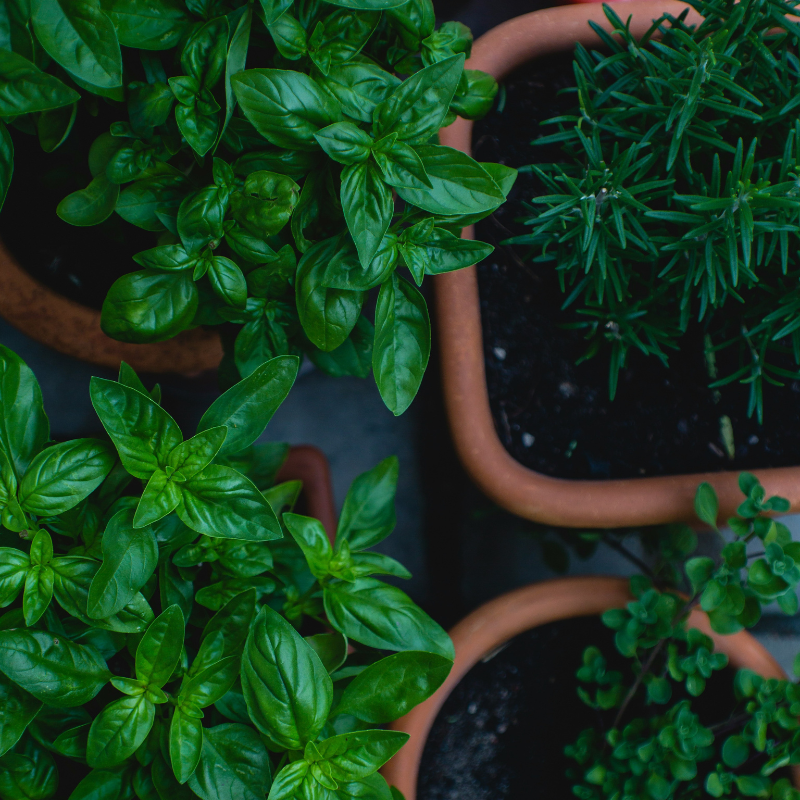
(174, 629)
(655, 738)
(284, 156)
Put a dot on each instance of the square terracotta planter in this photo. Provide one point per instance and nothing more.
(555, 501)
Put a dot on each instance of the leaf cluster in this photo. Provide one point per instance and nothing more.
(283, 153)
(677, 197)
(173, 628)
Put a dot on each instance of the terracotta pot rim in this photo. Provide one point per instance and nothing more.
(568, 503)
(496, 622)
(74, 329)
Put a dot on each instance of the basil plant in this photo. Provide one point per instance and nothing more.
(173, 629)
(284, 155)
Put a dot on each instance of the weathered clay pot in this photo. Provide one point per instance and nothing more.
(499, 620)
(568, 503)
(74, 329)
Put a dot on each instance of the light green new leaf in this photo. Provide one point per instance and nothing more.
(368, 207)
(159, 650)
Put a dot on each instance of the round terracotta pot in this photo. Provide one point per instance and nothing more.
(74, 329)
(499, 620)
(568, 503)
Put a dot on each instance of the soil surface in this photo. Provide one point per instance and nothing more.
(79, 263)
(501, 733)
(555, 417)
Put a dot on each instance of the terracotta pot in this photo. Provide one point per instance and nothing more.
(74, 330)
(308, 464)
(499, 620)
(568, 503)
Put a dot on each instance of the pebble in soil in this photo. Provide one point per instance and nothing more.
(556, 417)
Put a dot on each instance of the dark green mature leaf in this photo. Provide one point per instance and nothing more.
(38, 593)
(148, 24)
(287, 689)
(368, 514)
(52, 668)
(141, 202)
(24, 427)
(416, 109)
(144, 434)
(391, 687)
(25, 89)
(359, 86)
(287, 108)
(356, 755)
(200, 218)
(159, 650)
(54, 126)
(331, 649)
(79, 36)
(310, 535)
(222, 502)
(212, 683)
(402, 343)
(118, 730)
(368, 208)
(6, 162)
(378, 615)
(29, 773)
(92, 205)
(166, 784)
(226, 632)
(352, 357)
(99, 785)
(14, 566)
(442, 252)
(185, 744)
(149, 306)
(246, 408)
(233, 763)
(63, 475)
(130, 556)
(17, 709)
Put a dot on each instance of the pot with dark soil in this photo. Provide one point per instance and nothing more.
(599, 688)
(636, 320)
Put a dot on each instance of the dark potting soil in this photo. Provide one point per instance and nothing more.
(79, 263)
(501, 734)
(556, 417)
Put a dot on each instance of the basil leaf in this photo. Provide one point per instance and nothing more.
(143, 433)
(63, 475)
(159, 650)
(52, 668)
(340, 36)
(174, 589)
(368, 514)
(118, 731)
(14, 566)
(377, 564)
(185, 744)
(226, 631)
(246, 408)
(25, 89)
(98, 785)
(54, 126)
(17, 710)
(345, 142)
(310, 535)
(235, 62)
(402, 343)
(130, 556)
(149, 306)
(233, 763)
(368, 5)
(72, 742)
(37, 594)
(265, 203)
(378, 615)
(80, 37)
(222, 502)
(442, 252)
(195, 454)
(200, 218)
(359, 86)
(286, 687)
(140, 202)
(416, 109)
(216, 595)
(356, 755)
(160, 497)
(331, 649)
(149, 24)
(166, 785)
(204, 54)
(368, 207)
(28, 772)
(273, 9)
(6, 162)
(290, 779)
(391, 687)
(352, 357)
(90, 206)
(289, 36)
(373, 787)
(287, 108)
(213, 683)
(24, 427)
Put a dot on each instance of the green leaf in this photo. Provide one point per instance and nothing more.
(161, 496)
(212, 683)
(63, 475)
(38, 593)
(273, 9)
(24, 427)
(90, 206)
(265, 203)
(378, 615)
(200, 218)
(25, 89)
(52, 668)
(350, 756)
(699, 571)
(391, 687)
(6, 162)
(185, 744)
(368, 208)
(118, 731)
(235, 62)
(246, 408)
(130, 556)
(222, 502)
(289, 780)
(98, 785)
(331, 649)
(80, 37)
(286, 687)
(144, 434)
(29, 773)
(735, 751)
(54, 126)
(149, 24)
(359, 86)
(416, 109)
(402, 343)
(159, 650)
(17, 710)
(228, 281)
(706, 505)
(226, 632)
(149, 306)
(352, 357)
(310, 535)
(368, 514)
(142, 201)
(233, 763)
(14, 566)
(287, 108)
(368, 5)
(442, 252)
(195, 454)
